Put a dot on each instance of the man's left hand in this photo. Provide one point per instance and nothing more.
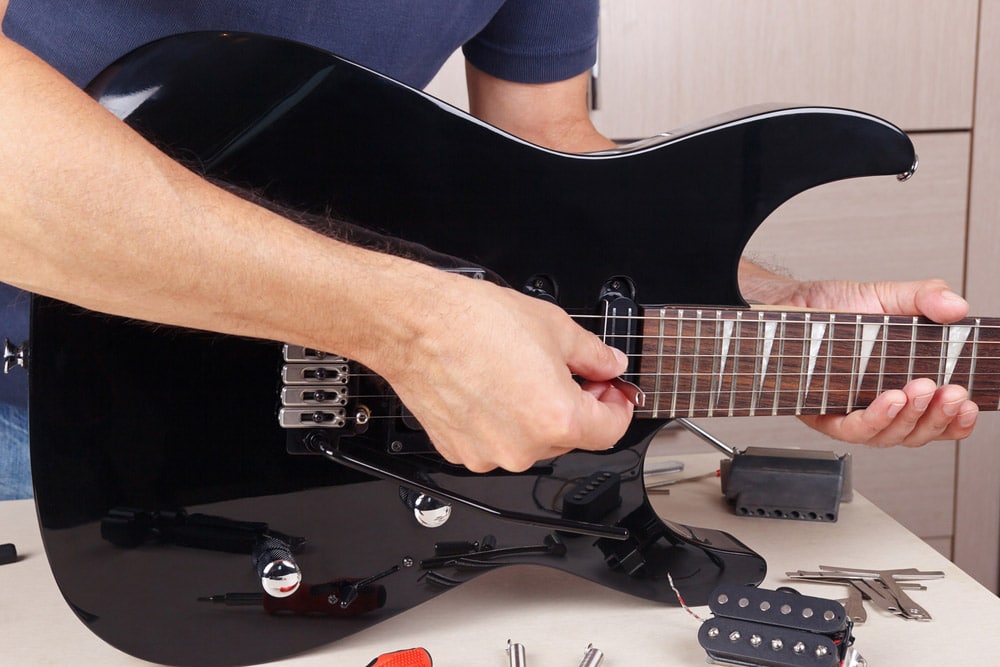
(912, 416)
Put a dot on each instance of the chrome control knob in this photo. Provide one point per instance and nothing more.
(13, 355)
(280, 578)
(427, 510)
(433, 517)
(280, 575)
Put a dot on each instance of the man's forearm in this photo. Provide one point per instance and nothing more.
(93, 214)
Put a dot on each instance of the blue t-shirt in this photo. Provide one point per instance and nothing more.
(528, 41)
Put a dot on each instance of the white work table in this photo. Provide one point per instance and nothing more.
(555, 615)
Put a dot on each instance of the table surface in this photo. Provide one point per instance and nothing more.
(555, 615)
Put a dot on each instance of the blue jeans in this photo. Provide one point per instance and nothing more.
(15, 461)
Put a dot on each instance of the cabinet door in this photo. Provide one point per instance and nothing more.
(665, 64)
(877, 228)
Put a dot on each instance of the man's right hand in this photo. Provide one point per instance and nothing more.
(490, 378)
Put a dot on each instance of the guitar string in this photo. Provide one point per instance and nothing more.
(716, 335)
(770, 400)
(796, 318)
(767, 389)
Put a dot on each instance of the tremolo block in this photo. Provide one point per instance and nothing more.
(793, 484)
(754, 626)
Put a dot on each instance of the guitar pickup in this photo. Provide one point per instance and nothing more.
(312, 418)
(754, 626)
(593, 498)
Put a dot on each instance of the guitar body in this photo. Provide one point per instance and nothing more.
(146, 439)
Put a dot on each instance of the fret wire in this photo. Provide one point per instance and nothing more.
(659, 368)
(736, 360)
(829, 361)
(694, 379)
(758, 370)
(802, 366)
(779, 366)
(972, 366)
(885, 347)
(677, 368)
(941, 355)
(856, 376)
(718, 364)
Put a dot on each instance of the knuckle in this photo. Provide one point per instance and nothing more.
(559, 425)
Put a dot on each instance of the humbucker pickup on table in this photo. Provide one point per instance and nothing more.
(754, 626)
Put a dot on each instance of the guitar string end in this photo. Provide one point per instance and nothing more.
(635, 395)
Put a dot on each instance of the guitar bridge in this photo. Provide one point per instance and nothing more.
(315, 389)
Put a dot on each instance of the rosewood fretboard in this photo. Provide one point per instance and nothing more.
(698, 362)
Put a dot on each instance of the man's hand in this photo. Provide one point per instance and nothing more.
(490, 378)
(918, 413)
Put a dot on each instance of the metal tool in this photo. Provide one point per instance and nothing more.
(706, 436)
(907, 606)
(885, 588)
(516, 654)
(854, 603)
(593, 657)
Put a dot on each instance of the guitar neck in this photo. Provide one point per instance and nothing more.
(698, 362)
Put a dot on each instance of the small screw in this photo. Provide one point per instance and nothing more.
(407, 561)
(799, 648)
(821, 651)
(734, 636)
(756, 641)
(713, 632)
(777, 644)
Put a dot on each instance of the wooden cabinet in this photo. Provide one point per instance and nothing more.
(931, 67)
(665, 63)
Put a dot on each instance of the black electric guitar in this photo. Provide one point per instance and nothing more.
(258, 500)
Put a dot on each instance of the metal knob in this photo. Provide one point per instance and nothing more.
(13, 355)
(427, 510)
(280, 575)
